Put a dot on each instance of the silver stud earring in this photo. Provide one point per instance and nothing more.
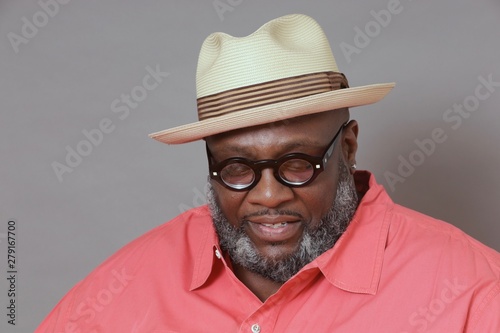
(354, 167)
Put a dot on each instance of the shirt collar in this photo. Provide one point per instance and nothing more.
(354, 264)
(207, 252)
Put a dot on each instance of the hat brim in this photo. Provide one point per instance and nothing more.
(336, 99)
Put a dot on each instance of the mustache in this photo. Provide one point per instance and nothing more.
(273, 212)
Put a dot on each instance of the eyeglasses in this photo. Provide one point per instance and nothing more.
(293, 170)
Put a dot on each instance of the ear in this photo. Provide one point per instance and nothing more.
(350, 144)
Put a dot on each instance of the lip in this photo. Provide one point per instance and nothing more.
(275, 228)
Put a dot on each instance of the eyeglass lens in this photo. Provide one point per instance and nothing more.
(295, 171)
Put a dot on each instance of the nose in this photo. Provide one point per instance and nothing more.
(269, 192)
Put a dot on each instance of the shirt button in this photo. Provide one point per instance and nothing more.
(217, 254)
(255, 328)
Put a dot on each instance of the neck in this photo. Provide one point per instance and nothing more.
(262, 287)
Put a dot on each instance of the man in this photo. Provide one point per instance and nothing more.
(293, 239)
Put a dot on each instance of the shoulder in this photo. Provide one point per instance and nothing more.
(423, 241)
(161, 258)
(186, 229)
(182, 234)
(431, 234)
(436, 253)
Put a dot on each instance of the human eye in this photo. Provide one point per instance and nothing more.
(297, 165)
(296, 170)
(237, 173)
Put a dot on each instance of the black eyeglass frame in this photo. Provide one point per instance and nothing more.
(318, 163)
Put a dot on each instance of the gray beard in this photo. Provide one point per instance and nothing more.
(314, 242)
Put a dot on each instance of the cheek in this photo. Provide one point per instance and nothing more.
(229, 202)
(318, 200)
(320, 197)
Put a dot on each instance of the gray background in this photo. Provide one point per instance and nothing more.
(65, 77)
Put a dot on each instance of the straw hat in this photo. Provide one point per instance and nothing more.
(285, 69)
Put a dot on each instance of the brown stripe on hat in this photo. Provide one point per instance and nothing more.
(268, 93)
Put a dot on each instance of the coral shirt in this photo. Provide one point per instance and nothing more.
(394, 270)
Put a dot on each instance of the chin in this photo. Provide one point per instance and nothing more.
(277, 251)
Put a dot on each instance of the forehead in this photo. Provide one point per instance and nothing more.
(311, 131)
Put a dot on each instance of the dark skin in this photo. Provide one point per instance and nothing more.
(308, 134)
